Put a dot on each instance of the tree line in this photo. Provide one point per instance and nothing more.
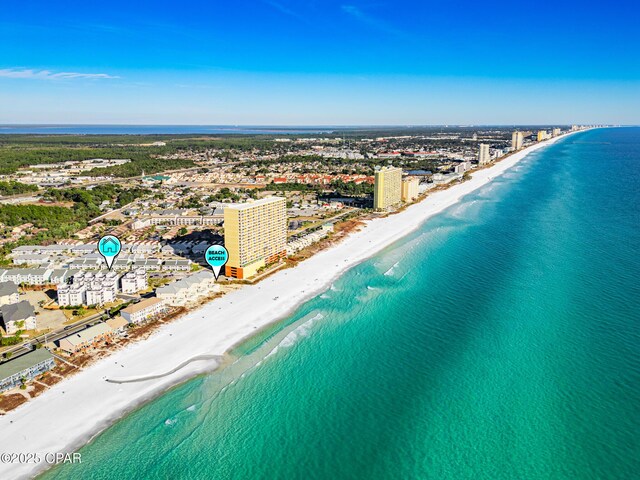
(16, 188)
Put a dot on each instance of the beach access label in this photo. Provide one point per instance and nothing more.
(216, 256)
(109, 247)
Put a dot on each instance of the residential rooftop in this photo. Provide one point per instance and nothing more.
(16, 312)
(88, 334)
(23, 362)
(8, 288)
(136, 307)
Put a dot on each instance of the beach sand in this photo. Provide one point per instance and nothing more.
(70, 413)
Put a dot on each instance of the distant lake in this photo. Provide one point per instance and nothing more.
(160, 129)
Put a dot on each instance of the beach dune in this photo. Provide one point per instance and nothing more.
(66, 416)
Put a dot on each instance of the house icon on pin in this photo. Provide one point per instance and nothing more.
(109, 246)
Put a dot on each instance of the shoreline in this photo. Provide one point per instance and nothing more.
(77, 409)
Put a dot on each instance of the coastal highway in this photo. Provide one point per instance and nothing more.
(29, 345)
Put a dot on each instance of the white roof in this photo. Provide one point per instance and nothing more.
(185, 283)
(256, 203)
(170, 289)
(117, 322)
(88, 334)
(26, 248)
(142, 305)
(8, 288)
(29, 256)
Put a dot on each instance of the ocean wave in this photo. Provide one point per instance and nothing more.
(487, 189)
(371, 292)
(272, 352)
(462, 208)
(192, 408)
(301, 331)
(289, 340)
(390, 271)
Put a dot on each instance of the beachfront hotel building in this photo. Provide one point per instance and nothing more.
(484, 156)
(542, 135)
(255, 235)
(410, 189)
(517, 139)
(387, 188)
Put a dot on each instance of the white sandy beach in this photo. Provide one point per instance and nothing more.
(66, 416)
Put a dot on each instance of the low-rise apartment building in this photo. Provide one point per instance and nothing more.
(18, 316)
(181, 217)
(25, 368)
(176, 265)
(89, 288)
(144, 310)
(87, 338)
(8, 293)
(28, 259)
(118, 325)
(134, 281)
(188, 289)
(149, 265)
(28, 276)
(304, 241)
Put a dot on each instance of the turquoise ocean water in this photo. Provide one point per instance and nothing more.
(500, 341)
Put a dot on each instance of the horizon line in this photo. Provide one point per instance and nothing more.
(355, 125)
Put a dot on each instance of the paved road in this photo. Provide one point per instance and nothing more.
(315, 225)
(29, 345)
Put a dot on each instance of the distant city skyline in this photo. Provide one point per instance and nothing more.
(268, 62)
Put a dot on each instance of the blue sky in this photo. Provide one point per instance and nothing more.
(285, 62)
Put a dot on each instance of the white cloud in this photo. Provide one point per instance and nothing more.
(49, 75)
(372, 22)
(282, 8)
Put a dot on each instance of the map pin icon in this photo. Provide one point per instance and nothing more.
(216, 256)
(109, 247)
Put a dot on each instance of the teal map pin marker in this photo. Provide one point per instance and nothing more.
(216, 256)
(109, 247)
